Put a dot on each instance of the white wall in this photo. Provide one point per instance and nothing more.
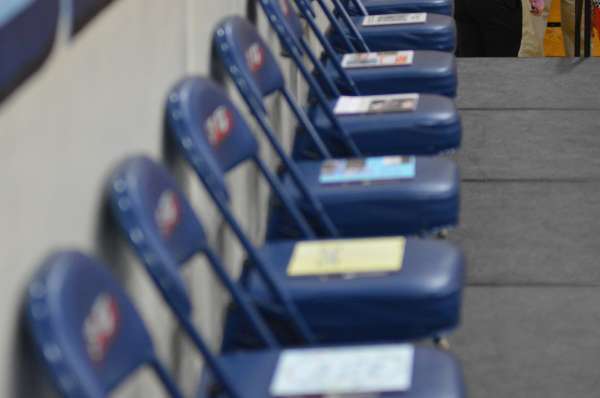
(97, 99)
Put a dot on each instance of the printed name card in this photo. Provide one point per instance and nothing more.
(367, 170)
(347, 257)
(372, 104)
(323, 372)
(378, 59)
(395, 19)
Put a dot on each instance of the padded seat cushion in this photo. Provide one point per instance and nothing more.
(432, 128)
(427, 202)
(435, 374)
(421, 300)
(432, 72)
(379, 7)
(438, 33)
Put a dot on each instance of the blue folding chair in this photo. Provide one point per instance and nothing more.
(91, 339)
(431, 72)
(27, 30)
(194, 101)
(86, 331)
(84, 10)
(434, 126)
(420, 301)
(427, 202)
(379, 7)
(437, 32)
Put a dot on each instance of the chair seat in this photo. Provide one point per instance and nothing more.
(432, 128)
(379, 7)
(435, 374)
(421, 300)
(437, 33)
(425, 203)
(432, 72)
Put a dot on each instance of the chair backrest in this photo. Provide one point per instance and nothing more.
(286, 10)
(198, 110)
(27, 31)
(245, 49)
(158, 222)
(137, 188)
(86, 329)
(287, 24)
(84, 10)
(190, 106)
(234, 35)
(202, 120)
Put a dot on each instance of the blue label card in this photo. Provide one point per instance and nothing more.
(385, 168)
(344, 371)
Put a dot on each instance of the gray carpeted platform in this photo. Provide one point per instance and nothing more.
(531, 232)
(530, 227)
(530, 342)
(534, 83)
(530, 144)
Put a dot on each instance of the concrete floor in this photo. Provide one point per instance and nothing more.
(530, 227)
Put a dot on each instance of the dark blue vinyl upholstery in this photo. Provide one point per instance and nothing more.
(256, 63)
(422, 300)
(384, 133)
(438, 33)
(435, 374)
(159, 223)
(27, 30)
(432, 72)
(434, 127)
(430, 201)
(84, 10)
(88, 334)
(195, 98)
(379, 7)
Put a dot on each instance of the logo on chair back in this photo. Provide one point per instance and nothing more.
(255, 57)
(168, 213)
(285, 7)
(219, 125)
(100, 326)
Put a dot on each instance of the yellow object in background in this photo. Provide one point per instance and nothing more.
(553, 40)
(347, 256)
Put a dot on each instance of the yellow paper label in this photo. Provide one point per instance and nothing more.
(347, 256)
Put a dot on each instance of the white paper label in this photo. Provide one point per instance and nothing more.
(349, 105)
(344, 370)
(394, 19)
(378, 59)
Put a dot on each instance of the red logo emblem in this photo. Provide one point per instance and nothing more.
(255, 57)
(168, 213)
(100, 327)
(285, 7)
(219, 125)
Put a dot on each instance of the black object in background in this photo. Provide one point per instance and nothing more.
(490, 28)
(587, 26)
